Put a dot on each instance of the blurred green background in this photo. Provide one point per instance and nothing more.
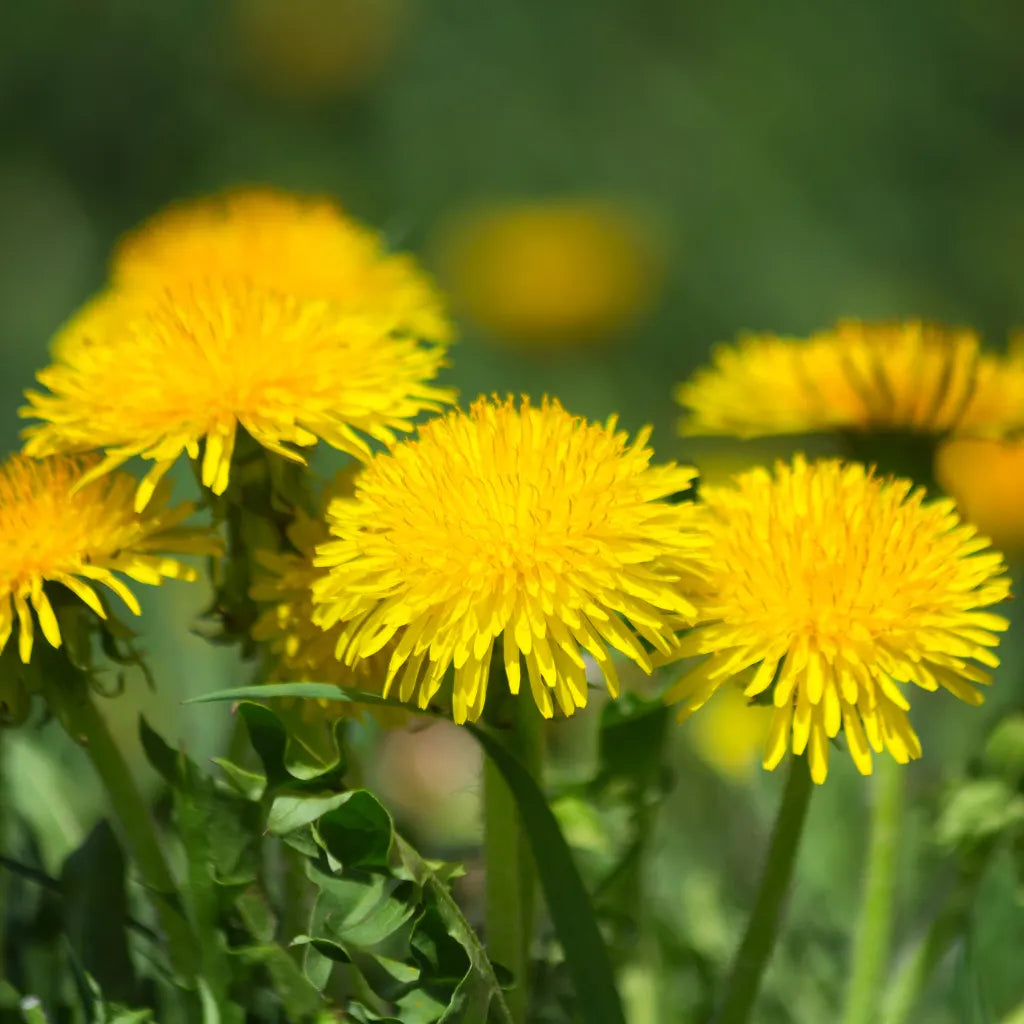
(782, 164)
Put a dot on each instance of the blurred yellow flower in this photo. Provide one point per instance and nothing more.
(302, 246)
(527, 524)
(834, 587)
(551, 273)
(316, 48)
(56, 530)
(857, 376)
(731, 731)
(301, 650)
(157, 373)
(987, 480)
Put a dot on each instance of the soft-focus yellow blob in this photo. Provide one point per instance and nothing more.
(312, 49)
(731, 732)
(554, 273)
(987, 480)
(916, 377)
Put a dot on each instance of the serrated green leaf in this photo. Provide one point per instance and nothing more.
(357, 832)
(269, 740)
(567, 900)
(290, 811)
(250, 785)
(478, 989)
(285, 760)
(314, 745)
(360, 910)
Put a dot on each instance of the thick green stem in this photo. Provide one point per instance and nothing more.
(759, 938)
(873, 937)
(71, 701)
(511, 882)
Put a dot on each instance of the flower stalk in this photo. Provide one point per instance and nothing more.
(873, 937)
(763, 925)
(69, 697)
(511, 878)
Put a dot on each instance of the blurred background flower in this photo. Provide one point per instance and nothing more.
(553, 273)
(316, 49)
(730, 734)
(987, 480)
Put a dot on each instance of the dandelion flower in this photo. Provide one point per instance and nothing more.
(156, 374)
(55, 530)
(551, 273)
(987, 480)
(525, 524)
(835, 588)
(304, 246)
(912, 376)
(304, 652)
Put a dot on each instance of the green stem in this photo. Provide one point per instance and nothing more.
(873, 937)
(759, 938)
(72, 703)
(511, 881)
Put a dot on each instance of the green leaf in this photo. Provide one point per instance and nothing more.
(269, 740)
(566, 898)
(290, 811)
(247, 784)
(357, 831)
(352, 827)
(314, 745)
(95, 908)
(358, 911)
(977, 810)
(298, 995)
(267, 691)
(285, 758)
(218, 830)
(479, 991)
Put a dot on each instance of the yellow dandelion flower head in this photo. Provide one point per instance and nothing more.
(549, 273)
(56, 529)
(304, 246)
(303, 652)
(837, 587)
(524, 523)
(155, 374)
(912, 376)
(986, 478)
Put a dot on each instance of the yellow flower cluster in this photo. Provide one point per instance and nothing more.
(510, 534)
(56, 528)
(857, 376)
(259, 311)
